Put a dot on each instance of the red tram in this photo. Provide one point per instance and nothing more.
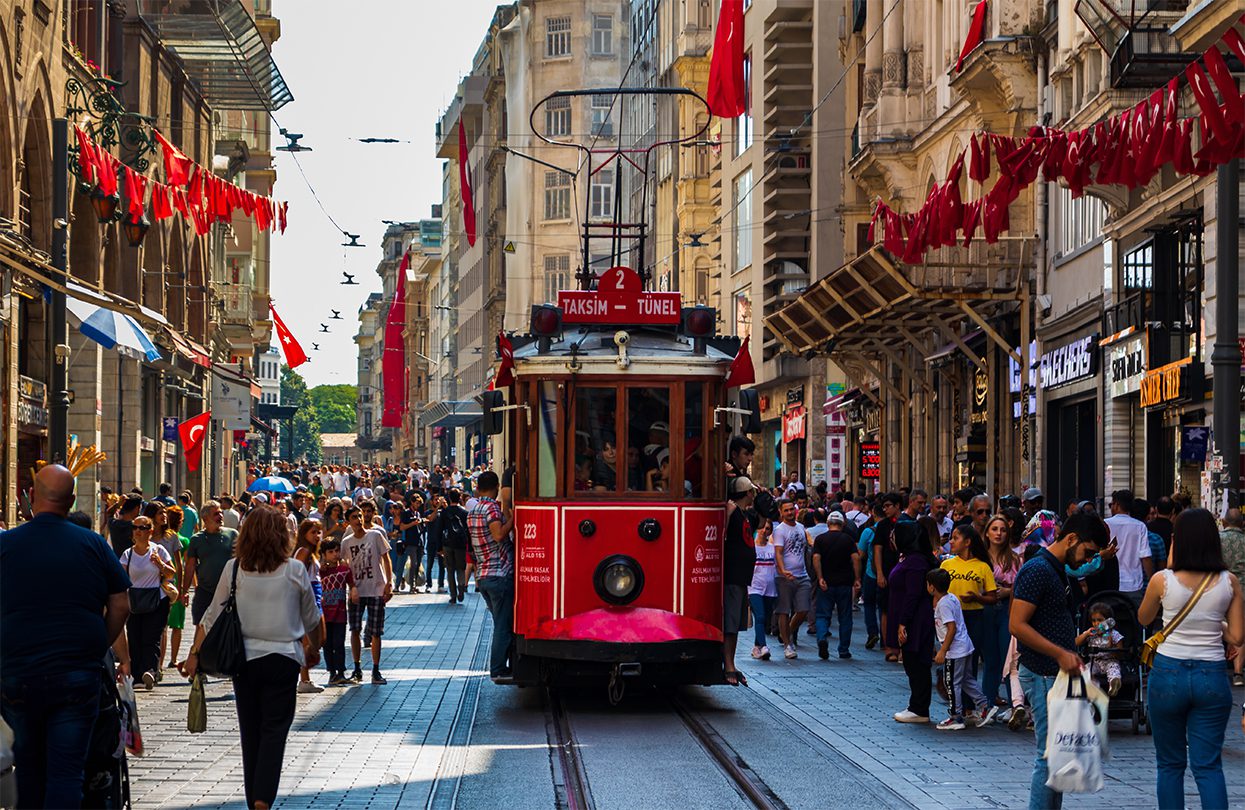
(616, 424)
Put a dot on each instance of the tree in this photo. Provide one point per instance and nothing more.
(306, 424)
(335, 406)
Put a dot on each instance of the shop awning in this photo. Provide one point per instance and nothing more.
(455, 413)
(190, 350)
(840, 401)
(113, 330)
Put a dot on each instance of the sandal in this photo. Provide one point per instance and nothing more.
(732, 677)
(892, 658)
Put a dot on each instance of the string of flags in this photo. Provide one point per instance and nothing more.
(196, 193)
(1127, 149)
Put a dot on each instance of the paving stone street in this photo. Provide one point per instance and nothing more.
(441, 735)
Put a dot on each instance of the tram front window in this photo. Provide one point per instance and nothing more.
(648, 420)
(596, 447)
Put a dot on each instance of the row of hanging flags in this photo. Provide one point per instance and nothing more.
(196, 193)
(1127, 149)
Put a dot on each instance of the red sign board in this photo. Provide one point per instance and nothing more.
(620, 299)
(870, 459)
(793, 424)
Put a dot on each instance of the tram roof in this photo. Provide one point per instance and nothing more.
(647, 348)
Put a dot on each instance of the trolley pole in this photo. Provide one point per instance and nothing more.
(1225, 357)
(58, 330)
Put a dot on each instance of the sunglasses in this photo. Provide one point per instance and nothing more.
(143, 528)
(982, 512)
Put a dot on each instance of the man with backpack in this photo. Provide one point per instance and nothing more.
(455, 538)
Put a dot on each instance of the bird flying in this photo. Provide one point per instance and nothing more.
(324, 327)
(337, 316)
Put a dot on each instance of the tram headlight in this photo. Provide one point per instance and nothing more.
(619, 580)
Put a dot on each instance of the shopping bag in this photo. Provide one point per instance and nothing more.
(131, 734)
(196, 713)
(1073, 741)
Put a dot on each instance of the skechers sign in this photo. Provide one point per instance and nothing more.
(1069, 363)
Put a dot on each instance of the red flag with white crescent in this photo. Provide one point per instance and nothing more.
(193, 432)
(464, 180)
(976, 34)
(393, 354)
(505, 371)
(741, 371)
(294, 354)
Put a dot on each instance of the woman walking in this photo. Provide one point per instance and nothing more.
(763, 592)
(148, 565)
(912, 620)
(277, 608)
(1189, 696)
(307, 552)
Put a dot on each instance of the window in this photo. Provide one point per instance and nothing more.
(741, 199)
(558, 117)
(694, 439)
(1138, 267)
(743, 313)
(743, 124)
(557, 37)
(649, 464)
(557, 195)
(545, 467)
(596, 446)
(1081, 220)
(602, 35)
(602, 103)
(557, 275)
(602, 194)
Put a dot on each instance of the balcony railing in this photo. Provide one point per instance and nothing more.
(1130, 311)
(238, 303)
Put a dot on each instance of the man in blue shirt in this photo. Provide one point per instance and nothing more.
(52, 647)
(1041, 621)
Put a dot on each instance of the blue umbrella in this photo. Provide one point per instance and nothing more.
(113, 330)
(271, 483)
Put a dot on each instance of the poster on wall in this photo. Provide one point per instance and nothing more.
(819, 471)
(1193, 441)
(231, 403)
(793, 423)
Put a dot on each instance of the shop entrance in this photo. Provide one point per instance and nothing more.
(1071, 452)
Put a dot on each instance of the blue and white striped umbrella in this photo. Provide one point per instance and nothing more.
(271, 483)
(113, 330)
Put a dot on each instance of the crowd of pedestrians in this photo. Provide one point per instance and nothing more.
(987, 601)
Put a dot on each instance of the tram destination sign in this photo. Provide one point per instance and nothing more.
(620, 299)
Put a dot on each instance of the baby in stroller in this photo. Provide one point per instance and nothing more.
(1105, 646)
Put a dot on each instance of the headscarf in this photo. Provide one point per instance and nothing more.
(1041, 529)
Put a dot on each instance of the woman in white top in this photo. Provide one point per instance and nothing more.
(1190, 696)
(147, 564)
(763, 592)
(278, 610)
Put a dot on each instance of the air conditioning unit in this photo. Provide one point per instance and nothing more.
(605, 130)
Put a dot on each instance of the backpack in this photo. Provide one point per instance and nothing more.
(454, 532)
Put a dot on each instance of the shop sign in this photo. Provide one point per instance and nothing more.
(873, 419)
(835, 447)
(1193, 441)
(793, 422)
(1069, 363)
(32, 411)
(169, 425)
(819, 471)
(1013, 369)
(1163, 385)
(870, 459)
(795, 396)
(231, 403)
(1127, 360)
(981, 395)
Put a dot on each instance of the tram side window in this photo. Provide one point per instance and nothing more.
(694, 439)
(648, 439)
(596, 446)
(547, 440)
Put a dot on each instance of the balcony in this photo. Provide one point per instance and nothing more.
(469, 102)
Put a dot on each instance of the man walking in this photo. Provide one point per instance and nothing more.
(366, 550)
(52, 644)
(454, 539)
(1133, 541)
(738, 560)
(1045, 632)
(836, 562)
(121, 528)
(206, 556)
(794, 588)
(492, 548)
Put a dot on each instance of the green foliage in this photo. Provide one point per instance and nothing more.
(306, 438)
(335, 406)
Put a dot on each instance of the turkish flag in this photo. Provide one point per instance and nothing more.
(135, 193)
(393, 354)
(294, 354)
(176, 165)
(86, 157)
(161, 208)
(728, 91)
(505, 371)
(193, 432)
(464, 180)
(976, 34)
(741, 371)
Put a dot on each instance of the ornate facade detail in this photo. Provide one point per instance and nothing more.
(873, 85)
(892, 68)
(916, 68)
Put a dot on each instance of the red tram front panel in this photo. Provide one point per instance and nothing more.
(702, 544)
(615, 530)
(536, 569)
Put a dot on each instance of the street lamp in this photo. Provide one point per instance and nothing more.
(105, 205)
(136, 229)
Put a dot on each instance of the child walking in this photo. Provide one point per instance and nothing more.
(955, 653)
(337, 581)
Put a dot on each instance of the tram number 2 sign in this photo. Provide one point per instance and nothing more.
(619, 299)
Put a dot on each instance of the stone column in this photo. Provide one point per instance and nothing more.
(873, 52)
(85, 367)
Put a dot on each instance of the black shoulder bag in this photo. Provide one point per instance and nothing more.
(223, 652)
(142, 600)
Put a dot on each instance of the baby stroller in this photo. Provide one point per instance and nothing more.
(1130, 701)
(107, 782)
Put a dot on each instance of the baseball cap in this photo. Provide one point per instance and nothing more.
(262, 498)
(836, 517)
(740, 486)
(1031, 494)
(661, 426)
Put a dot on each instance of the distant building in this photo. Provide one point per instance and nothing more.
(341, 448)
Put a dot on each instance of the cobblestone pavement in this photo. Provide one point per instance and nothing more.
(439, 735)
(849, 705)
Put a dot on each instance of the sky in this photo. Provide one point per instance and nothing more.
(374, 68)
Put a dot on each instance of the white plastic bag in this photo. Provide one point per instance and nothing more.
(131, 734)
(1075, 740)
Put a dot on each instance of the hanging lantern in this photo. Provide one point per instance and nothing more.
(136, 229)
(105, 205)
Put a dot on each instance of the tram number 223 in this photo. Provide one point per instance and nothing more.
(711, 534)
(529, 531)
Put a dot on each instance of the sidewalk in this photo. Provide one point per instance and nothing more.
(850, 705)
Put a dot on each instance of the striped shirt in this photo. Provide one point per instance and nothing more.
(493, 558)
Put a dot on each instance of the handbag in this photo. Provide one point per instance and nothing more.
(196, 712)
(142, 600)
(223, 651)
(1150, 646)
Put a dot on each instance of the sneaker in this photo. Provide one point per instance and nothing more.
(986, 716)
(951, 724)
(357, 675)
(149, 681)
(872, 642)
(810, 631)
(159, 675)
(1113, 687)
(789, 652)
(377, 678)
(764, 653)
(845, 656)
(337, 678)
(1238, 679)
(909, 717)
(823, 650)
(309, 688)
(1019, 717)
(756, 653)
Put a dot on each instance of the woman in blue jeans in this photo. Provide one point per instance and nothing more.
(1190, 696)
(763, 592)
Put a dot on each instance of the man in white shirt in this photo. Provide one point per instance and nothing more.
(940, 510)
(341, 482)
(852, 512)
(366, 551)
(1132, 539)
